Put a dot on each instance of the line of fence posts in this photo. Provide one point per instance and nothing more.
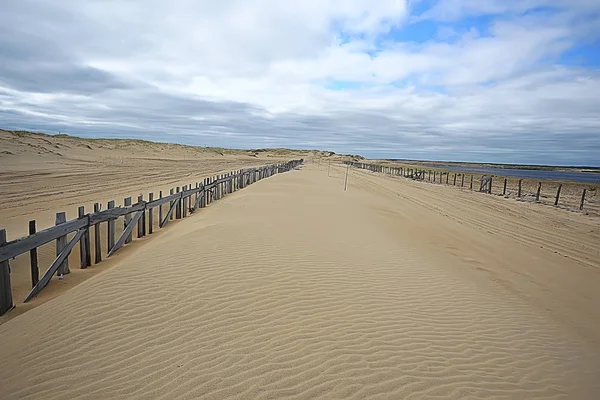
(185, 199)
(486, 182)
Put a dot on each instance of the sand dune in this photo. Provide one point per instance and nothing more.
(293, 288)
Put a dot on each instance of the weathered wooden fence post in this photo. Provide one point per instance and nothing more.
(61, 243)
(504, 190)
(111, 228)
(213, 192)
(184, 202)
(582, 199)
(33, 257)
(97, 244)
(471, 186)
(127, 219)
(519, 191)
(6, 303)
(85, 257)
(209, 191)
(160, 211)
(490, 186)
(462, 180)
(447, 177)
(141, 231)
(150, 216)
(178, 205)
(171, 193)
(537, 195)
(557, 194)
(454, 184)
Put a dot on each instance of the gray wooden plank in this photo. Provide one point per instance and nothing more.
(127, 220)
(60, 259)
(140, 225)
(150, 212)
(114, 213)
(178, 203)
(172, 193)
(61, 243)
(557, 194)
(184, 201)
(160, 211)
(198, 200)
(85, 259)
(33, 257)
(18, 246)
(111, 227)
(97, 243)
(165, 221)
(128, 231)
(6, 303)
(160, 201)
(204, 189)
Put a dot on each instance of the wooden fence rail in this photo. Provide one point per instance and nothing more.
(184, 200)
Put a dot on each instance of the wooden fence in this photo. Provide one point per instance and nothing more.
(483, 184)
(141, 214)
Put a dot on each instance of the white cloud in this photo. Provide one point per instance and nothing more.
(180, 64)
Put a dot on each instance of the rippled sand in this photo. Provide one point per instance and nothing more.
(293, 288)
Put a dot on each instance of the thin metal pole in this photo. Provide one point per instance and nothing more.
(346, 182)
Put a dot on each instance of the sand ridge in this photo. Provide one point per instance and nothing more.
(293, 288)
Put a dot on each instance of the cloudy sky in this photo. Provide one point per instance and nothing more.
(476, 80)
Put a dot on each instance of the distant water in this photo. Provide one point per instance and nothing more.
(531, 173)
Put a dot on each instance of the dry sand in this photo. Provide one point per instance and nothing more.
(569, 199)
(293, 288)
(41, 175)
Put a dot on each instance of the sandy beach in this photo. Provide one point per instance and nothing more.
(41, 175)
(222, 200)
(294, 288)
